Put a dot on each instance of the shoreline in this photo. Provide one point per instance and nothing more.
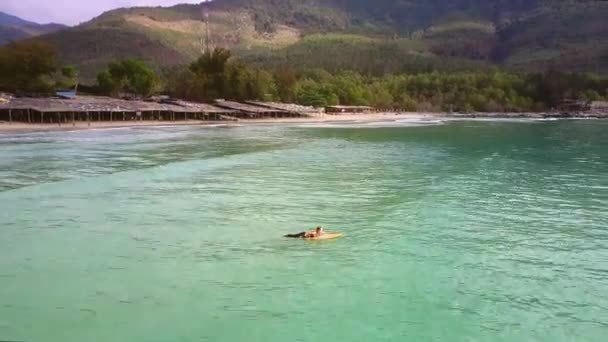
(413, 118)
(19, 127)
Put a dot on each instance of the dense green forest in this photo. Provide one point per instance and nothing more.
(216, 74)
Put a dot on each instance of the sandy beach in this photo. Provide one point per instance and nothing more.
(18, 127)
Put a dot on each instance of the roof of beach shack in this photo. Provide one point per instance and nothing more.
(350, 107)
(599, 104)
(288, 107)
(108, 104)
(243, 107)
(201, 107)
(90, 104)
(37, 104)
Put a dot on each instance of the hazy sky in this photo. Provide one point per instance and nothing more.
(72, 12)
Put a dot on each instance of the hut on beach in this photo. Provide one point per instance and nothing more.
(581, 108)
(349, 109)
(572, 106)
(298, 110)
(96, 108)
(65, 109)
(599, 107)
(249, 111)
(203, 111)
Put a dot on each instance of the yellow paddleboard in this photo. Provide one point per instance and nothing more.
(326, 236)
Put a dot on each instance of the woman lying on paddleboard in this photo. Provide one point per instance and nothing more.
(308, 235)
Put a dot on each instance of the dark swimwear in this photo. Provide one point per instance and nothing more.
(296, 236)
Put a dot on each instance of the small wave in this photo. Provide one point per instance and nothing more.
(77, 130)
(222, 126)
(372, 124)
(490, 120)
(422, 121)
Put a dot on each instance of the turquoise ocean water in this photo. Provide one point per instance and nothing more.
(464, 231)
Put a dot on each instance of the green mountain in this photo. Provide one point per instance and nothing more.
(375, 37)
(13, 28)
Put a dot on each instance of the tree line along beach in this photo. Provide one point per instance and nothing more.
(81, 112)
(216, 87)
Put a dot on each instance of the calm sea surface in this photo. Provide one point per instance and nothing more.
(465, 231)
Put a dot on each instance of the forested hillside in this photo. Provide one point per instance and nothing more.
(373, 37)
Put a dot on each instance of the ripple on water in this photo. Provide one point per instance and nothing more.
(491, 231)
